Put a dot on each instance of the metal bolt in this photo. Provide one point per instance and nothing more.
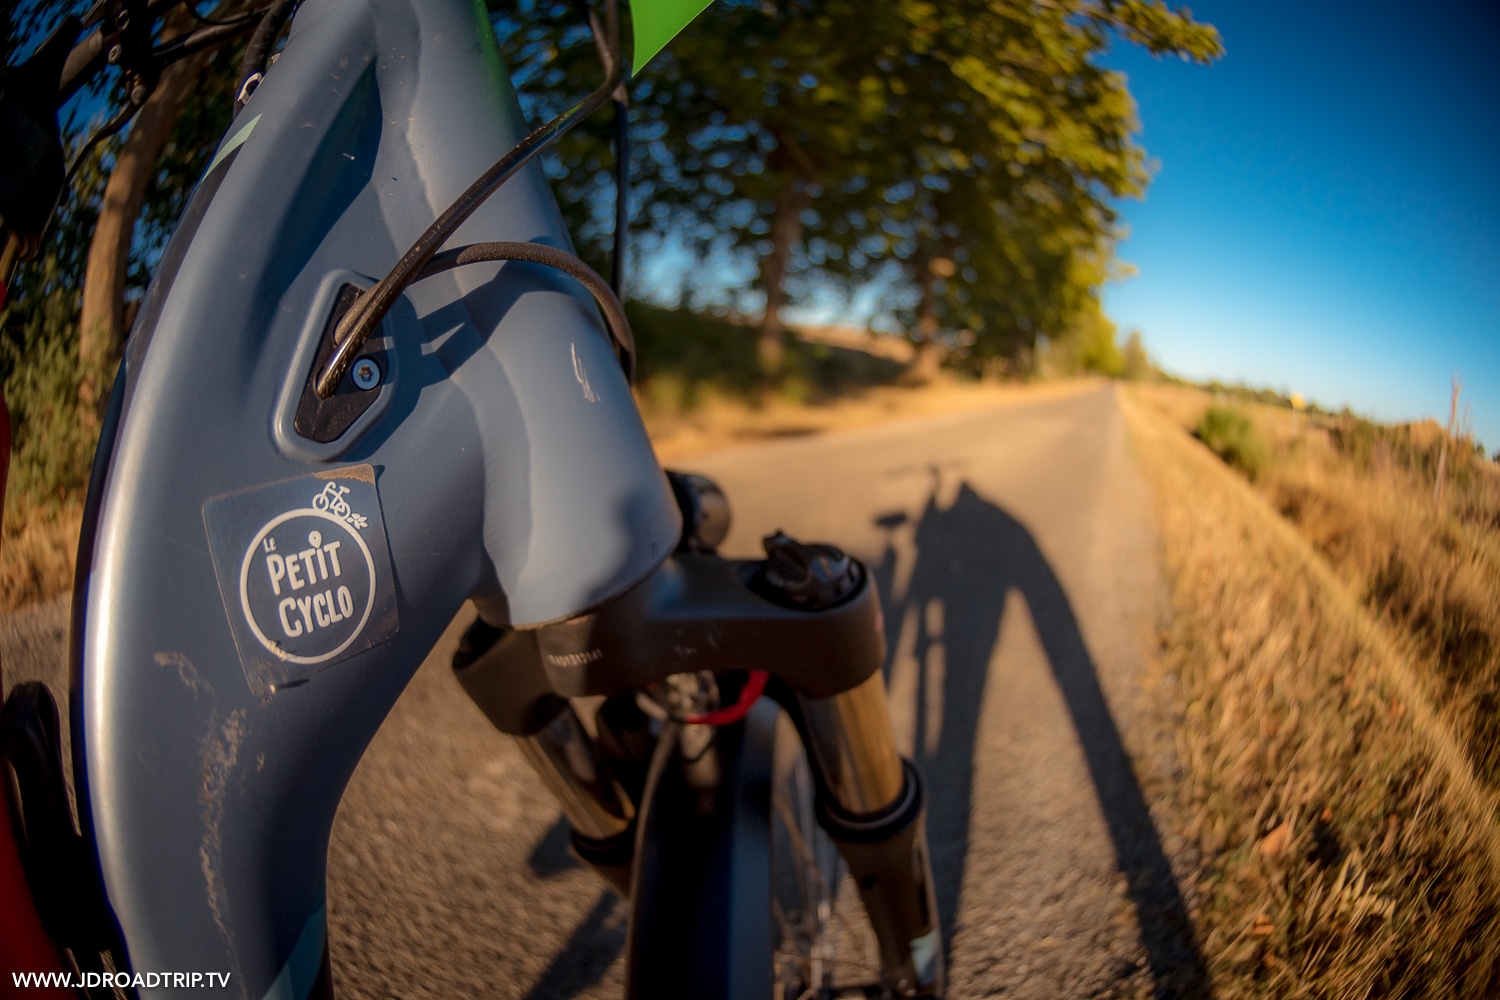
(114, 54)
(366, 373)
(138, 94)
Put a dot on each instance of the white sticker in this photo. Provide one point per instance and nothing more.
(307, 604)
(309, 582)
(924, 956)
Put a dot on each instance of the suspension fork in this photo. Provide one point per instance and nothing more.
(872, 804)
(809, 615)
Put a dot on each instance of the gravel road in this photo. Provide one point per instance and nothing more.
(1021, 588)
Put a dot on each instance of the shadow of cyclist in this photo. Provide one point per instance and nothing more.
(970, 556)
(591, 949)
(594, 944)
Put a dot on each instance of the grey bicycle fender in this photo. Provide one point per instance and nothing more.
(700, 906)
(254, 601)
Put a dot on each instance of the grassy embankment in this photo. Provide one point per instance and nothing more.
(1336, 647)
(697, 389)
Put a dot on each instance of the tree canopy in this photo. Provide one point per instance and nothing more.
(962, 158)
(966, 154)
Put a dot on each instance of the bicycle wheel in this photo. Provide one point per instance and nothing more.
(738, 893)
(824, 945)
(700, 921)
(805, 875)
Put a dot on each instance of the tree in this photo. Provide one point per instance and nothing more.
(103, 319)
(843, 140)
(1138, 366)
(111, 225)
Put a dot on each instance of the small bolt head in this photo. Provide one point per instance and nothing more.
(366, 373)
(114, 54)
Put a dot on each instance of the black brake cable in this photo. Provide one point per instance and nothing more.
(189, 42)
(540, 253)
(622, 144)
(192, 6)
(196, 40)
(258, 50)
(622, 195)
(360, 321)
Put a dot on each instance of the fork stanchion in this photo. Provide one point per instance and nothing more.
(850, 738)
(872, 805)
(808, 615)
(600, 812)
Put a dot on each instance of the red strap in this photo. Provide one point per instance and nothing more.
(749, 694)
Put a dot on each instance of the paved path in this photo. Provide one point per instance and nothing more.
(1019, 576)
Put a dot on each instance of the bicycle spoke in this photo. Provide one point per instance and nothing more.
(809, 860)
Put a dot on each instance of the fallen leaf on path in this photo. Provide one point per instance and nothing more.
(1275, 842)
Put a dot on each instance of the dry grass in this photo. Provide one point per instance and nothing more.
(37, 556)
(1363, 496)
(1351, 848)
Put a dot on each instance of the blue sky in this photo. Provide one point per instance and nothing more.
(1325, 216)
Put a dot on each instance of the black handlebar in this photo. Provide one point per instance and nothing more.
(33, 169)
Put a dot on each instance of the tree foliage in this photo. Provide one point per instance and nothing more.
(962, 157)
(836, 143)
(39, 327)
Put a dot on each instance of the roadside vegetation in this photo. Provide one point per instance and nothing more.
(1228, 433)
(52, 449)
(688, 358)
(1334, 647)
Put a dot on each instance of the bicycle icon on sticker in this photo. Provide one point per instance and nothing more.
(332, 500)
(305, 573)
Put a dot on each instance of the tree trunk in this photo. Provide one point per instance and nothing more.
(929, 356)
(102, 325)
(786, 230)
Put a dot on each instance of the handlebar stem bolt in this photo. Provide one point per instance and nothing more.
(366, 373)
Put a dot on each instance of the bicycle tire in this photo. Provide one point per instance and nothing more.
(700, 922)
(736, 893)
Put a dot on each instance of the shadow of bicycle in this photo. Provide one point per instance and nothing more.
(970, 557)
(967, 558)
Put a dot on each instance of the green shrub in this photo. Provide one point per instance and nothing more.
(1231, 435)
(53, 435)
(682, 354)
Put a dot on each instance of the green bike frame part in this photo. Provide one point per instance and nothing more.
(657, 22)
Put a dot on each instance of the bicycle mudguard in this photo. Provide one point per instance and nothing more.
(259, 580)
(700, 911)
